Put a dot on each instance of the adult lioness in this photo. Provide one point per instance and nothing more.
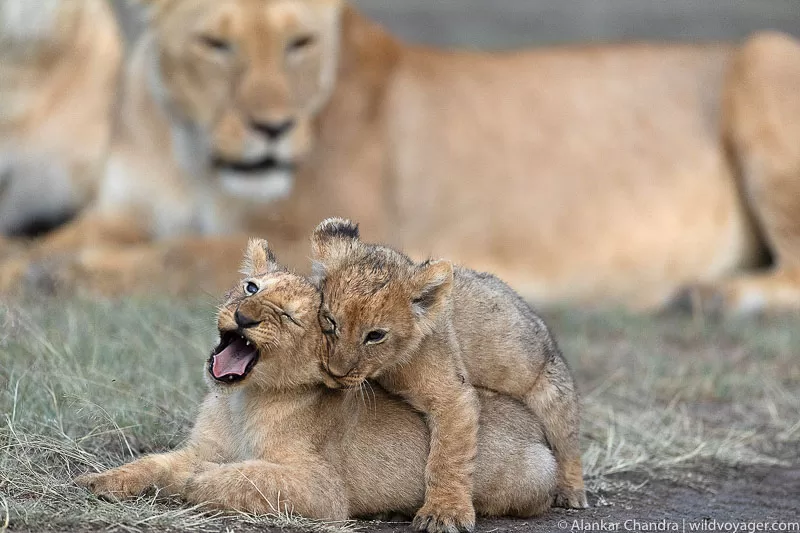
(270, 437)
(59, 63)
(578, 174)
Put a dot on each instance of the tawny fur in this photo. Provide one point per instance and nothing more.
(604, 174)
(59, 64)
(280, 441)
(428, 332)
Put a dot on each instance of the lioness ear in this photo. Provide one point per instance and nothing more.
(333, 238)
(152, 7)
(431, 286)
(258, 258)
(149, 3)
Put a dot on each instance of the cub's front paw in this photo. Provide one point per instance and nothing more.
(436, 518)
(570, 498)
(116, 484)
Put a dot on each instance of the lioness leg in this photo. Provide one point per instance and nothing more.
(166, 472)
(58, 250)
(313, 489)
(93, 229)
(762, 129)
(179, 267)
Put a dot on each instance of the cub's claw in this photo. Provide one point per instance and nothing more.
(116, 484)
(570, 498)
(432, 519)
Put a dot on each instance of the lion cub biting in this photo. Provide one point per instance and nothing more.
(270, 437)
(428, 332)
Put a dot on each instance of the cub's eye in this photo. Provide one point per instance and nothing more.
(251, 288)
(215, 43)
(329, 325)
(300, 43)
(375, 336)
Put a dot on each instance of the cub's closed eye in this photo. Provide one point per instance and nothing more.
(250, 288)
(300, 43)
(376, 336)
(215, 43)
(329, 325)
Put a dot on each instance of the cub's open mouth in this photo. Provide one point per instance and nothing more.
(268, 164)
(233, 358)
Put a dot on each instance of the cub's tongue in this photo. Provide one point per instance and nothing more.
(233, 360)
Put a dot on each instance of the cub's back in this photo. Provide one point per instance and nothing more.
(494, 325)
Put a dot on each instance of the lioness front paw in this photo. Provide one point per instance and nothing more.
(570, 498)
(116, 484)
(435, 518)
(28, 275)
(12, 275)
(704, 300)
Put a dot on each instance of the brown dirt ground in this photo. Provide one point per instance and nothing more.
(724, 494)
(705, 492)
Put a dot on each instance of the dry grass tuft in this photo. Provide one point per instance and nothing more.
(86, 386)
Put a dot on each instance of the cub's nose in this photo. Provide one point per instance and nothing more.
(274, 130)
(244, 321)
(339, 369)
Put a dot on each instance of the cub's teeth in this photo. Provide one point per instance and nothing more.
(248, 343)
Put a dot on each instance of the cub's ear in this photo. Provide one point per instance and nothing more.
(431, 286)
(259, 259)
(333, 238)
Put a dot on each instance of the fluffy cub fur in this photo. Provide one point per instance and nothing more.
(427, 332)
(270, 437)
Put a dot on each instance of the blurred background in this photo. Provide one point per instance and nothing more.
(511, 23)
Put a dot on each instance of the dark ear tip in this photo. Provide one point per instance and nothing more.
(271, 255)
(337, 228)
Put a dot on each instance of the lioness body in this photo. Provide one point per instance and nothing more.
(577, 174)
(270, 438)
(59, 63)
(430, 332)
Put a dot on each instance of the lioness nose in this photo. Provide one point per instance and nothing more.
(274, 130)
(244, 321)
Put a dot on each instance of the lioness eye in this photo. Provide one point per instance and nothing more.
(300, 42)
(215, 43)
(375, 336)
(251, 288)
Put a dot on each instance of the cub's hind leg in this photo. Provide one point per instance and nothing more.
(537, 375)
(529, 366)
(552, 397)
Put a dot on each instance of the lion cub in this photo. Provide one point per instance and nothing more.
(427, 332)
(271, 438)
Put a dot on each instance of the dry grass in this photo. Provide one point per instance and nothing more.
(85, 386)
